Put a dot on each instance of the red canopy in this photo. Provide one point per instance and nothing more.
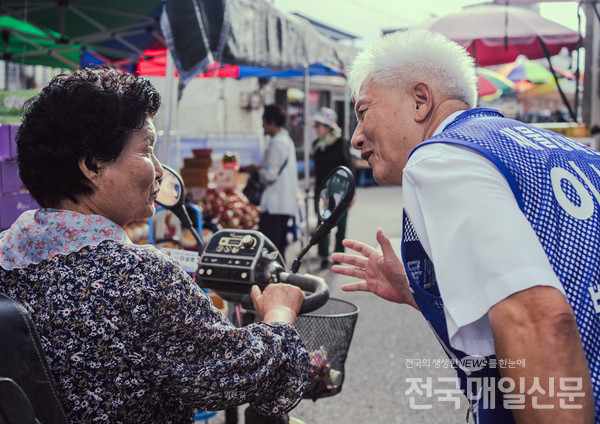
(158, 64)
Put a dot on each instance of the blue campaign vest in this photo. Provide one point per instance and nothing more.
(556, 182)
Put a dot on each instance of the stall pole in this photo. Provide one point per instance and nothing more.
(169, 78)
(306, 154)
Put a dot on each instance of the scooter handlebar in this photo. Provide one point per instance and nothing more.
(315, 286)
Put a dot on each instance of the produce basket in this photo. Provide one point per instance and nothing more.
(327, 333)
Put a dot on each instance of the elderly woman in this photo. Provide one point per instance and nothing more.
(129, 337)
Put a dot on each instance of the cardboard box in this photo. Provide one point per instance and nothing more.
(195, 177)
(197, 162)
(575, 131)
(568, 129)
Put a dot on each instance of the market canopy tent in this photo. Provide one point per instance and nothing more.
(527, 73)
(244, 32)
(24, 37)
(249, 33)
(71, 33)
(155, 64)
(492, 85)
(496, 34)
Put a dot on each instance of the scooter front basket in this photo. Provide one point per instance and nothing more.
(327, 333)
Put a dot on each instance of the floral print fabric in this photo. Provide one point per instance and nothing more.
(40, 234)
(130, 337)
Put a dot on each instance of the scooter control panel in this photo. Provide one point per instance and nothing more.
(233, 259)
(229, 256)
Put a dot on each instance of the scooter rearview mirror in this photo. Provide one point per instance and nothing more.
(171, 193)
(334, 197)
(172, 197)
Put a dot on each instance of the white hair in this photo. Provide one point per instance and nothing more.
(400, 59)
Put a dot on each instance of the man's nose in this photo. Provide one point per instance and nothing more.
(358, 137)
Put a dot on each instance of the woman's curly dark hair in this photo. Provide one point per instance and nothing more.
(89, 114)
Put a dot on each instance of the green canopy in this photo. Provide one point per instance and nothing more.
(25, 43)
(72, 33)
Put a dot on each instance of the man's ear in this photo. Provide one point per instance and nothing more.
(89, 168)
(422, 100)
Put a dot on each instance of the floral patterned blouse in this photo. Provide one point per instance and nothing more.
(129, 337)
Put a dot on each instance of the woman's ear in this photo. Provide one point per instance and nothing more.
(89, 168)
(423, 101)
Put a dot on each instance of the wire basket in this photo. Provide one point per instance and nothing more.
(327, 333)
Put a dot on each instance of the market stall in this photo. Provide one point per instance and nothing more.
(247, 32)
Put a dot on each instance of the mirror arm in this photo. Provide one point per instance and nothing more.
(187, 223)
(197, 238)
(323, 229)
(331, 221)
(298, 261)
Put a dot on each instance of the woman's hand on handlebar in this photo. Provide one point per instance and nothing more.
(278, 302)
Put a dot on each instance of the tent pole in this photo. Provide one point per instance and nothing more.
(595, 10)
(562, 95)
(577, 73)
(474, 51)
(306, 153)
(577, 67)
(169, 77)
(176, 164)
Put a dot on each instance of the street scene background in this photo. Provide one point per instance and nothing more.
(224, 115)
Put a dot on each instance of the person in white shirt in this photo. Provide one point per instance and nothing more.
(484, 199)
(278, 172)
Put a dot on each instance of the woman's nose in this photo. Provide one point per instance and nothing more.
(158, 168)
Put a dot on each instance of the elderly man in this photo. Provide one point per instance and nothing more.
(500, 232)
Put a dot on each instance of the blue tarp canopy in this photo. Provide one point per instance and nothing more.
(316, 69)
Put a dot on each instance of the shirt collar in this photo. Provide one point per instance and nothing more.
(446, 121)
(41, 234)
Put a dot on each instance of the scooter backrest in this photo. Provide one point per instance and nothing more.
(23, 363)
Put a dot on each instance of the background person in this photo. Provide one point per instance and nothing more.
(278, 171)
(500, 230)
(128, 335)
(329, 151)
